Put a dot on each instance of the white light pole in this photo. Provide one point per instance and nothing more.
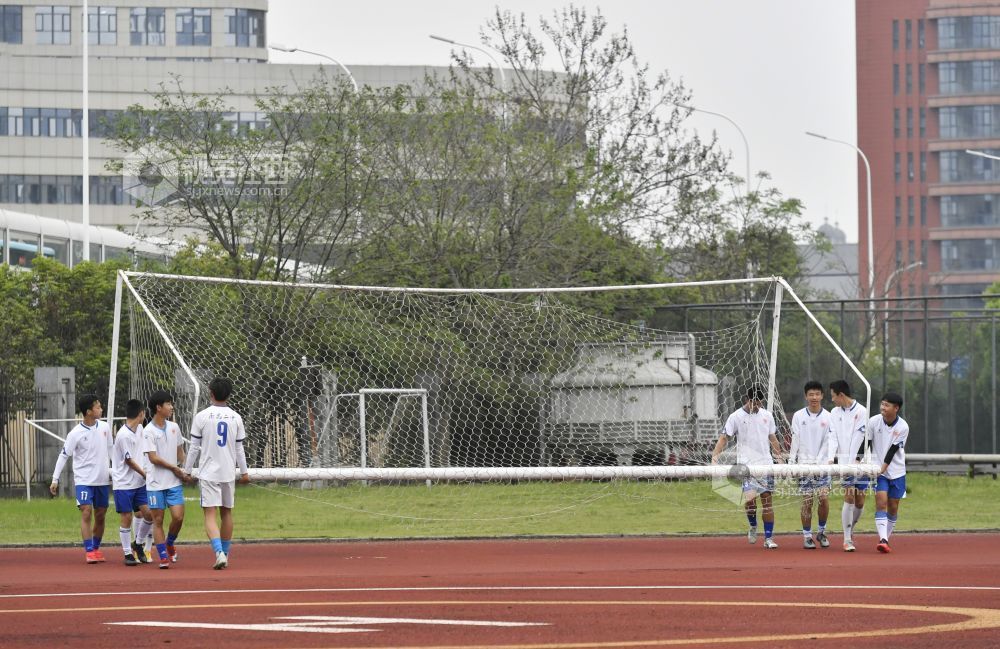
(982, 154)
(746, 143)
(871, 245)
(503, 76)
(85, 133)
(285, 48)
(885, 319)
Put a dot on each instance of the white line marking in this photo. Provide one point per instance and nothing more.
(437, 589)
(323, 624)
(340, 619)
(244, 627)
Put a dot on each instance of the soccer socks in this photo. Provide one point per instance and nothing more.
(171, 538)
(857, 513)
(125, 534)
(807, 532)
(752, 519)
(891, 525)
(847, 520)
(768, 529)
(97, 542)
(161, 549)
(226, 545)
(142, 531)
(217, 545)
(882, 525)
(822, 527)
(88, 544)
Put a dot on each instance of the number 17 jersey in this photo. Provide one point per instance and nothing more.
(219, 428)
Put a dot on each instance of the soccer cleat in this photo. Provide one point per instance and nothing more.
(752, 535)
(848, 546)
(883, 547)
(139, 552)
(92, 558)
(130, 560)
(808, 543)
(221, 560)
(172, 553)
(99, 556)
(164, 563)
(771, 544)
(823, 541)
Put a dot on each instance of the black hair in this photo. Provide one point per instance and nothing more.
(812, 385)
(221, 388)
(132, 408)
(893, 398)
(86, 402)
(755, 393)
(158, 398)
(840, 386)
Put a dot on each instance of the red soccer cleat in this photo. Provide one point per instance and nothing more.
(92, 557)
(99, 556)
(883, 547)
(172, 553)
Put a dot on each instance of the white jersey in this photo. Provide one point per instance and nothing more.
(884, 436)
(90, 449)
(218, 428)
(847, 433)
(810, 436)
(752, 432)
(128, 446)
(163, 442)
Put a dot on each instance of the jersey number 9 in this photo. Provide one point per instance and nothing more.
(223, 430)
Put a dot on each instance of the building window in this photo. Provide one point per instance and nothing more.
(910, 171)
(923, 166)
(909, 78)
(895, 78)
(911, 251)
(10, 24)
(898, 173)
(895, 35)
(923, 210)
(923, 251)
(244, 28)
(102, 25)
(948, 78)
(920, 34)
(923, 122)
(921, 78)
(194, 26)
(948, 122)
(899, 211)
(52, 25)
(895, 122)
(947, 29)
(909, 34)
(909, 211)
(909, 122)
(148, 26)
(899, 254)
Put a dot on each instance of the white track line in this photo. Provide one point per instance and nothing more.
(428, 589)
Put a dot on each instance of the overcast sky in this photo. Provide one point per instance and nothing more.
(776, 67)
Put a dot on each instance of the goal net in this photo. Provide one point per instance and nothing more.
(403, 386)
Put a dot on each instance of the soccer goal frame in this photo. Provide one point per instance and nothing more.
(781, 287)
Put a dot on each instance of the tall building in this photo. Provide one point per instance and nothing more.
(213, 46)
(928, 75)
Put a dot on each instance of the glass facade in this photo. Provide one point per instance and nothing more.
(969, 77)
(53, 25)
(963, 122)
(960, 167)
(970, 255)
(55, 122)
(148, 26)
(56, 190)
(969, 32)
(102, 25)
(245, 28)
(970, 211)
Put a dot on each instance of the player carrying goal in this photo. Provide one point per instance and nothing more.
(217, 437)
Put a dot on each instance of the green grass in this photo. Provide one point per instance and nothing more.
(269, 511)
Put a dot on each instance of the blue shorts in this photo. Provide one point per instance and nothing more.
(895, 487)
(760, 485)
(861, 483)
(166, 497)
(809, 485)
(130, 500)
(95, 496)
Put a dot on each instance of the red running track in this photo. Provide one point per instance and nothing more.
(933, 591)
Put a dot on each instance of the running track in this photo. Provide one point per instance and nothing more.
(935, 591)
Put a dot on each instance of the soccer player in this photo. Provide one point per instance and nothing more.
(756, 441)
(217, 435)
(810, 433)
(129, 481)
(89, 444)
(889, 432)
(164, 450)
(848, 421)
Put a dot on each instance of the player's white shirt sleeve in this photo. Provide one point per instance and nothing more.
(793, 449)
(164, 442)
(123, 477)
(219, 428)
(90, 449)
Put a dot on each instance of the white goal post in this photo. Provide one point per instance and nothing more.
(456, 384)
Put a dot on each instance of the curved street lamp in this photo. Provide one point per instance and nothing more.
(286, 48)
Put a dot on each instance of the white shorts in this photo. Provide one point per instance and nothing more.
(218, 494)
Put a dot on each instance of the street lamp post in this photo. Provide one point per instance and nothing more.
(871, 246)
(85, 133)
(503, 76)
(746, 143)
(885, 319)
(285, 48)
